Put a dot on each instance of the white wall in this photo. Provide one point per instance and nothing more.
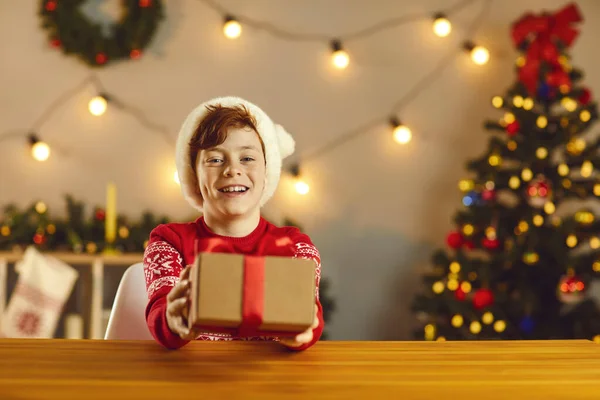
(376, 210)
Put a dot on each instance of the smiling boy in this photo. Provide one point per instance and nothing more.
(229, 155)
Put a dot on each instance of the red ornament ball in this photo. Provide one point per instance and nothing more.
(101, 58)
(571, 289)
(469, 244)
(490, 244)
(454, 240)
(459, 294)
(585, 96)
(135, 54)
(483, 298)
(100, 215)
(39, 239)
(488, 195)
(145, 3)
(51, 6)
(55, 43)
(513, 128)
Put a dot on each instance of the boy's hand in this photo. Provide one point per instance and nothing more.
(304, 337)
(178, 303)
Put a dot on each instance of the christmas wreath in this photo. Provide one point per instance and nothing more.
(72, 31)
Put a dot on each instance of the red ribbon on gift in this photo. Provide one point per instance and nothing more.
(546, 29)
(253, 283)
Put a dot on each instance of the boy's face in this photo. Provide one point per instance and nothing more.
(232, 175)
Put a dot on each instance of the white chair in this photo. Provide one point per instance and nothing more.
(127, 319)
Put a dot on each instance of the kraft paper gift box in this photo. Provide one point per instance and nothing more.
(250, 295)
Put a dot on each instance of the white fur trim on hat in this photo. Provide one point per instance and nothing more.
(279, 144)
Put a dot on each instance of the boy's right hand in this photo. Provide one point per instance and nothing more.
(178, 303)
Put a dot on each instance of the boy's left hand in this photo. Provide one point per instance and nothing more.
(304, 337)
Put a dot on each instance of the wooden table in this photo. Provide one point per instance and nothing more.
(95, 369)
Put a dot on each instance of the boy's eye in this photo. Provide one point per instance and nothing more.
(247, 159)
(214, 160)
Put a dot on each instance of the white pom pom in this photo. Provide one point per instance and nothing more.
(287, 145)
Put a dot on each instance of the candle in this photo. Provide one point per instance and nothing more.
(111, 213)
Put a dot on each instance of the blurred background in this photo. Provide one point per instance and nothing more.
(376, 203)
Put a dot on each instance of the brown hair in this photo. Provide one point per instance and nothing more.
(212, 130)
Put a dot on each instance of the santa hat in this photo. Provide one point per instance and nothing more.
(279, 144)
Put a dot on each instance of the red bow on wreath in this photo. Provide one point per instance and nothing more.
(544, 31)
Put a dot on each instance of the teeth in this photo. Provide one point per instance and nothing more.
(234, 189)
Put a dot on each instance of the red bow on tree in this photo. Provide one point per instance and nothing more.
(544, 31)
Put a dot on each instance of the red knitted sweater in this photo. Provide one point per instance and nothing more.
(171, 247)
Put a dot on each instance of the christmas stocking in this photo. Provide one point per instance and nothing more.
(44, 286)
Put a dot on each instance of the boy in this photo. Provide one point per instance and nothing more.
(229, 155)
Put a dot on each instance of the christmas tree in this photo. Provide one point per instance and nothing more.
(526, 245)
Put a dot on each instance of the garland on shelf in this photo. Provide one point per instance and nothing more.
(73, 32)
(78, 232)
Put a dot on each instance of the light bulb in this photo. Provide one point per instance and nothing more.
(302, 187)
(479, 54)
(40, 151)
(232, 29)
(340, 58)
(402, 134)
(441, 26)
(97, 105)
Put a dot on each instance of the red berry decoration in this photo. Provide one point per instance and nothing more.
(488, 195)
(490, 244)
(39, 238)
(51, 6)
(101, 58)
(55, 43)
(135, 54)
(585, 96)
(483, 298)
(571, 289)
(513, 128)
(100, 215)
(459, 294)
(454, 240)
(145, 3)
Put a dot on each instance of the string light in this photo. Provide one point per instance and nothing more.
(479, 54)
(569, 104)
(541, 153)
(597, 189)
(464, 185)
(454, 267)
(518, 101)
(586, 169)
(339, 56)
(39, 150)
(441, 25)
(585, 116)
(475, 327)
(514, 182)
(563, 169)
(538, 220)
(497, 101)
(457, 321)
(528, 103)
(232, 28)
(541, 122)
(301, 187)
(549, 208)
(40, 207)
(499, 326)
(98, 105)
(402, 134)
(487, 318)
(437, 287)
(526, 174)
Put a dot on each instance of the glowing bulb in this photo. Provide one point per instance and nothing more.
(569, 104)
(541, 153)
(402, 134)
(520, 61)
(468, 229)
(526, 174)
(302, 187)
(595, 266)
(509, 118)
(40, 207)
(586, 169)
(563, 169)
(232, 29)
(585, 116)
(499, 326)
(452, 284)
(571, 241)
(40, 151)
(176, 177)
(340, 58)
(466, 287)
(457, 321)
(465, 185)
(480, 55)
(538, 220)
(528, 103)
(97, 105)
(497, 101)
(541, 122)
(511, 145)
(494, 160)
(475, 327)
(454, 267)
(518, 101)
(438, 287)
(595, 243)
(597, 189)
(487, 318)
(549, 208)
(514, 182)
(441, 26)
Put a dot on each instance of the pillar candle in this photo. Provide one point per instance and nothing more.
(111, 213)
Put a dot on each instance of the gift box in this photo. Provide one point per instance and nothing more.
(250, 295)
